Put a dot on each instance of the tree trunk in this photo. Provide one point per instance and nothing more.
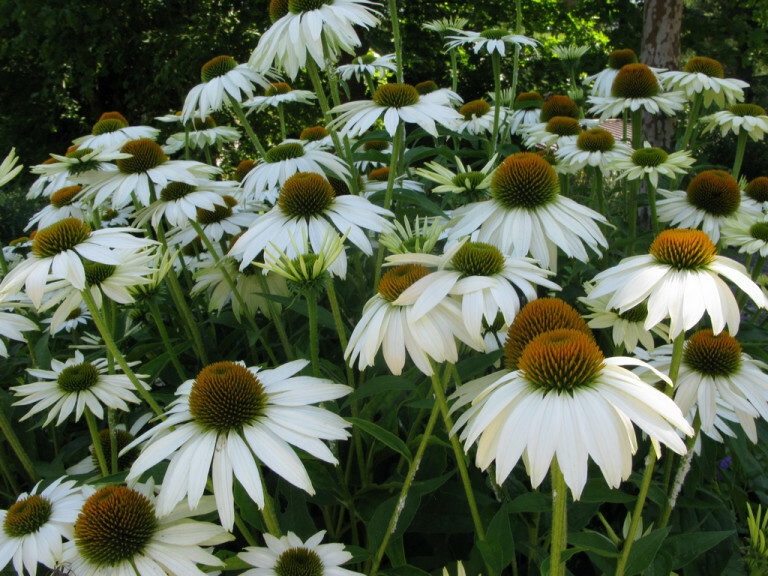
(661, 49)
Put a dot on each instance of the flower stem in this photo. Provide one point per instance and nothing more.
(597, 186)
(516, 62)
(268, 512)
(314, 337)
(695, 109)
(559, 537)
(339, 323)
(496, 61)
(437, 388)
(13, 440)
(682, 472)
(238, 110)
(412, 469)
(741, 145)
(112, 440)
(276, 318)
(674, 370)
(157, 316)
(3, 262)
(97, 449)
(393, 168)
(397, 40)
(454, 71)
(113, 349)
(652, 205)
(281, 115)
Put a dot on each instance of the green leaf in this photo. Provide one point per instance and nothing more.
(644, 551)
(594, 542)
(379, 522)
(476, 365)
(530, 502)
(380, 384)
(685, 548)
(499, 548)
(384, 436)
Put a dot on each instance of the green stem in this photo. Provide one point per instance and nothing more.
(268, 513)
(3, 262)
(6, 471)
(112, 440)
(412, 469)
(637, 142)
(281, 115)
(608, 529)
(559, 537)
(516, 62)
(652, 205)
(393, 169)
(238, 110)
(437, 388)
(454, 71)
(496, 61)
(695, 110)
(758, 269)
(314, 337)
(397, 40)
(339, 323)
(13, 440)
(276, 318)
(597, 186)
(113, 349)
(158, 318)
(674, 370)
(97, 449)
(682, 472)
(741, 145)
(245, 531)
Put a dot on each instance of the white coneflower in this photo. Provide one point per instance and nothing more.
(64, 203)
(477, 117)
(64, 171)
(604, 80)
(112, 131)
(279, 93)
(653, 162)
(178, 202)
(371, 64)
(705, 76)
(750, 118)
(750, 236)
(595, 147)
(492, 40)
(461, 182)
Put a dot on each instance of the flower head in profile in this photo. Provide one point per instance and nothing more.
(477, 117)
(471, 183)
(526, 214)
(13, 325)
(278, 93)
(749, 118)
(111, 131)
(705, 76)
(74, 386)
(233, 420)
(757, 190)
(64, 203)
(564, 399)
(66, 169)
(309, 27)
(61, 251)
(198, 134)
(653, 162)
(636, 87)
(679, 279)
(492, 40)
(444, 25)
(120, 531)
(480, 277)
(569, 53)
(396, 103)
(603, 81)
(370, 64)
(749, 235)
(526, 111)
(718, 381)
(178, 202)
(223, 221)
(33, 527)
(289, 555)
(712, 198)
(421, 236)
(557, 131)
(388, 322)
(224, 80)
(595, 147)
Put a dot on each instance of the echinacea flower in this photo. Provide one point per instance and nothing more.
(8, 168)
(636, 87)
(290, 555)
(60, 251)
(230, 419)
(557, 131)
(421, 237)
(224, 80)
(64, 203)
(178, 202)
(310, 27)
(308, 206)
(120, 532)
(122, 437)
(396, 103)
(604, 80)
(711, 198)
(147, 169)
(705, 76)
(485, 281)
(65, 170)
(679, 279)
(715, 374)
(371, 64)
(564, 399)
(445, 25)
(750, 236)
(464, 181)
(33, 527)
(78, 316)
(493, 40)
(750, 118)
(388, 323)
(526, 111)
(477, 117)
(526, 214)
(569, 53)
(12, 326)
(111, 131)
(227, 219)
(75, 385)
(757, 190)
(278, 93)
(595, 147)
(199, 135)
(653, 162)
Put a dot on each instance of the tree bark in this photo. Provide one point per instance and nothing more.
(662, 20)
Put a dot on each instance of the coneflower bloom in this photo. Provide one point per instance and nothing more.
(653, 162)
(705, 76)
(750, 118)
(371, 64)
(604, 80)
(279, 93)
(493, 40)
(112, 131)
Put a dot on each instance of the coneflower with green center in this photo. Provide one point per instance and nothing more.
(559, 405)
(397, 103)
(233, 420)
(652, 162)
(368, 67)
(557, 131)
(64, 203)
(485, 281)
(120, 531)
(527, 215)
(711, 198)
(279, 93)
(111, 131)
(679, 279)
(309, 27)
(308, 206)
(743, 120)
(179, 201)
(750, 236)
(31, 530)
(472, 184)
(197, 133)
(67, 169)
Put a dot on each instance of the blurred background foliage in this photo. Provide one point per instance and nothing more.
(65, 62)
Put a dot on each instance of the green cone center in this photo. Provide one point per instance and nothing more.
(77, 378)
(27, 516)
(478, 259)
(216, 67)
(305, 194)
(299, 562)
(649, 157)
